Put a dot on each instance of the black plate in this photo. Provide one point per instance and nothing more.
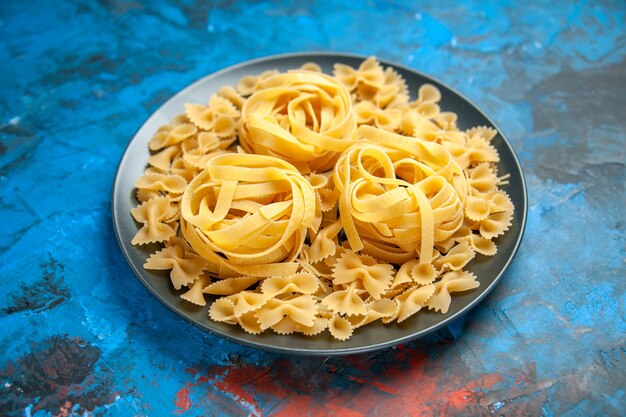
(371, 337)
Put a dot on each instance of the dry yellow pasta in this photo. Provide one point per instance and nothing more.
(248, 214)
(302, 202)
(303, 117)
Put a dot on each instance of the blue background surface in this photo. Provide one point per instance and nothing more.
(81, 335)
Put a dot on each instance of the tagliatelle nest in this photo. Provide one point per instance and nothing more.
(308, 202)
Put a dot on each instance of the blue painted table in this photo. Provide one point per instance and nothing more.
(80, 335)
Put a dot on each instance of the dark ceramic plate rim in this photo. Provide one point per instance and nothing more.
(521, 213)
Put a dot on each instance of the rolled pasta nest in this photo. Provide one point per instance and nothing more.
(302, 202)
(303, 117)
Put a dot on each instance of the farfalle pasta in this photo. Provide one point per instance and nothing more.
(384, 88)
(154, 215)
(301, 202)
(186, 267)
(367, 113)
(220, 117)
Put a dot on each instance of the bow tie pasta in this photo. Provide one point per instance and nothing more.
(302, 202)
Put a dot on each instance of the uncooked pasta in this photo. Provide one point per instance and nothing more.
(299, 202)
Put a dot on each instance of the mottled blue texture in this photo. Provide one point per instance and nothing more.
(79, 333)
